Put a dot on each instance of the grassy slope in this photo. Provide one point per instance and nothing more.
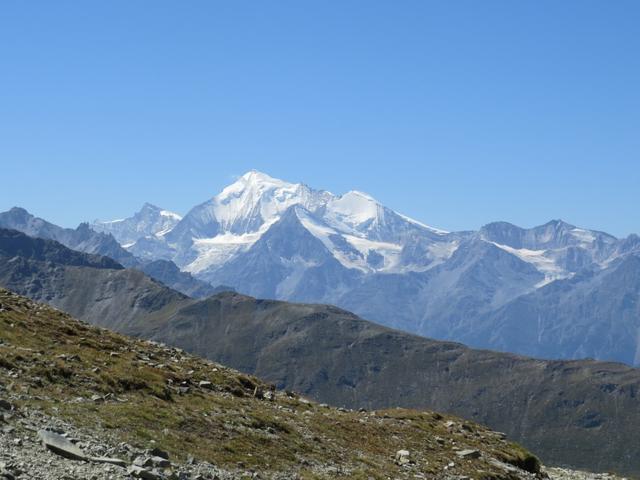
(58, 363)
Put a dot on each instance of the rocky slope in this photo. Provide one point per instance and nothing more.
(594, 314)
(14, 244)
(100, 291)
(581, 413)
(156, 412)
(167, 272)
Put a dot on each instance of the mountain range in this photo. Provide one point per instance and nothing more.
(86, 239)
(552, 291)
(578, 413)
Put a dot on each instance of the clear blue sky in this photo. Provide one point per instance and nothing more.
(457, 113)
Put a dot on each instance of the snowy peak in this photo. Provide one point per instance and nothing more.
(149, 221)
(254, 181)
(363, 215)
(150, 210)
(256, 200)
(353, 226)
(557, 249)
(355, 209)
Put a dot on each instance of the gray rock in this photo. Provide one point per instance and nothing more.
(504, 466)
(157, 452)
(111, 461)
(154, 461)
(468, 453)
(140, 472)
(60, 445)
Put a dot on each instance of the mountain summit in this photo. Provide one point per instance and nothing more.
(354, 227)
(149, 221)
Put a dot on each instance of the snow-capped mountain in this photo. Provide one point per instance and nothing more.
(149, 221)
(491, 288)
(359, 232)
(557, 249)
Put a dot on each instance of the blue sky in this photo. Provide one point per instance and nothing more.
(456, 113)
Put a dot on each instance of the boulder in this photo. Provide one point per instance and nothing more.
(157, 452)
(61, 445)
